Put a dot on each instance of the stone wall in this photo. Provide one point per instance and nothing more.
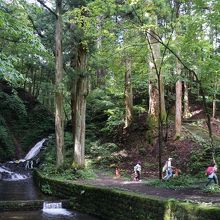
(113, 204)
(27, 205)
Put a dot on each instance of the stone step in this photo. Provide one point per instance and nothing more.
(27, 205)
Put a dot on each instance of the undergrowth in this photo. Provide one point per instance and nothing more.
(183, 181)
(214, 188)
(68, 171)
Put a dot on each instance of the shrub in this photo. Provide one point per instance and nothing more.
(213, 188)
(176, 183)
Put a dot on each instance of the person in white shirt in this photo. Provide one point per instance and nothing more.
(137, 171)
(169, 171)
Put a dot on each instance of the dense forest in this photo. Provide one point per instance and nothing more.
(119, 79)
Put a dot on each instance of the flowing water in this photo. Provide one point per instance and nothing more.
(19, 169)
(11, 175)
(40, 215)
(19, 190)
(26, 190)
(16, 184)
(35, 150)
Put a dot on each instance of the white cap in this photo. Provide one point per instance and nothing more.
(170, 158)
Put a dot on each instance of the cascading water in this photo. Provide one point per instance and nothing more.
(34, 150)
(7, 173)
(55, 208)
(52, 205)
(12, 175)
(18, 191)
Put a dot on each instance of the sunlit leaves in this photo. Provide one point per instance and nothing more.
(17, 40)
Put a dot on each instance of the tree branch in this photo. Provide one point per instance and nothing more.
(45, 6)
(35, 27)
(167, 47)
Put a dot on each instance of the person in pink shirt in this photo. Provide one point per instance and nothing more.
(211, 173)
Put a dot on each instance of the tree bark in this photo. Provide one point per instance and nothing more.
(186, 113)
(154, 66)
(156, 92)
(59, 122)
(100, 72)
(128, 94)
(78, 101)
(178, 117)
(214, 107)
(79, 149)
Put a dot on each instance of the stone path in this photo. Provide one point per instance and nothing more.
(190, 194)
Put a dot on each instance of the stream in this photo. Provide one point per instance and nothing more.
(16, 185)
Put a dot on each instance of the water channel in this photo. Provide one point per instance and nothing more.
(40, 215)
(20, 187)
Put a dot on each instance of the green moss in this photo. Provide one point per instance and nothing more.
(115, 204)
(21, 205)
(151, 124)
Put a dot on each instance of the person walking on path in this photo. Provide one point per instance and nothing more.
(211, 173)
(168, 168)
(117, 172)
(137, 171)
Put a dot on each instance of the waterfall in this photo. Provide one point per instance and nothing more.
(12, 175)
(34, 150)
(55, 208)
(52, 205)
(11, 169)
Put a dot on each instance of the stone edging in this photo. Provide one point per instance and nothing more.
(113, 204)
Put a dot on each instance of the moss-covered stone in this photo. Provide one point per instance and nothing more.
(20, 205)
(113, 204)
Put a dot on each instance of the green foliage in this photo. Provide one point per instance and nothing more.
(200, 158)
(21, 124)
(111, 32)
(12, 104)
(8, 71)
(138, 109)
(213, 188)
(98, 149)
(98, 102)
(130, 205)
(105, 154)
(115, 119)
(181, 181)
(42, 122)
(12, 109)
(103, 114)
(46, 189)
(20, 39)
(85, 174)
(68, 171)
(6, 145)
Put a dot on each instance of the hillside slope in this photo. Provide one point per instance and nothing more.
(23, 121)
(191, 153)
